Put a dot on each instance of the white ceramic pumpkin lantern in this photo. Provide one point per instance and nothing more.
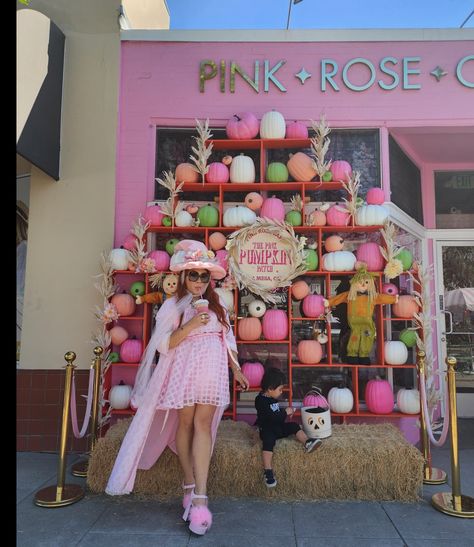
(257, 308)
(371, 215)
(119, 258)
(183, 218)
(339, 261)
(239, 216)
(340, 400)
(396, 353)
(272, 125)
(119, 396)
(408, 401)
(242, 170)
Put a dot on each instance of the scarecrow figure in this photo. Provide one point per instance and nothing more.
(361, 299)
(169, 287)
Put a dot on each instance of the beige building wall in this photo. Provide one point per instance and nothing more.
(72, 220)
(147, 14)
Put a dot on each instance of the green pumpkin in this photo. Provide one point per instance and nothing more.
(137, 288)
(208, 216)
(311, 259)
(327, 177)
(277, 172)
(406, 259)
(167, 221)
(408, 337)
(294, 218)
(114, 357)
(170, 244)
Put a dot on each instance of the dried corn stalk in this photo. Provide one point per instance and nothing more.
(201, 150)
(138, 254)
(394, 266)
(320, 145)
(172, 206)
(352, 188)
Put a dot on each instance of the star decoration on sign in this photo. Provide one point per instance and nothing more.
(303, 75)
(438, 73)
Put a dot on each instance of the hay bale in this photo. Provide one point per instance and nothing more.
(359, 461)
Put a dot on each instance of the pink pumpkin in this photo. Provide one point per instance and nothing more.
(273, 208)
(253, 201)
(131, 351)
(244, 125)
(153, 215)
(124, 304)
(337, 215)
(313, 305)
(371, 255)
(389, 288)
(375, 196)
(118, 335)
(275, 325)
(130, 242)
(221, 256)
(318, 218)
(296, 130)
(161, 260)
(218, 173)
(315, 399)
(309, 352)
(341, 170)
(379, 396)
(253, 371)
(217, 241)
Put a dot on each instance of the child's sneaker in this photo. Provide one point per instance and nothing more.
(269, 479)
(312, 444)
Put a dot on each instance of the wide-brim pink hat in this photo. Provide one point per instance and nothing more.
(194, 255)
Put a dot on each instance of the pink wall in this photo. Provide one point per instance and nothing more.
(160, 85)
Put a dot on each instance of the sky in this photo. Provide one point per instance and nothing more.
(319, 14)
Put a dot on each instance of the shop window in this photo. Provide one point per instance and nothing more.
(454, 195)
(405, 182)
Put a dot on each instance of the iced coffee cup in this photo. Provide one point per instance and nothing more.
(201, 305)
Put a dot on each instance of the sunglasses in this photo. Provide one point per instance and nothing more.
(196, 276)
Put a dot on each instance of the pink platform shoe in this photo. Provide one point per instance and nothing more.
(187, 495)
(200, 518)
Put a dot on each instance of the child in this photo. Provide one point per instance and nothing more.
(271, 421)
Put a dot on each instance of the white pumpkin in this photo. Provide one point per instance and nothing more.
(340, 399)
(119, 259)
(119, 396)
(183, 218)
(257, 308)
(339, 261)
(371, 215)
(242, 170)
(396, 353)
(272, 126)
(227, 297)
(408, 401)
(239, 216)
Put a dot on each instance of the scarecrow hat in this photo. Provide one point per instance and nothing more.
(194, 255)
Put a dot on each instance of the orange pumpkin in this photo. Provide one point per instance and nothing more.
(317, 218)
(334, 243)
(249, 328)
(186, 172)
(309, 352)
(406, 307)
(299, 289)
(217, 241)
(253, 201)
(118, 335)
(300, 166)
(124, 303)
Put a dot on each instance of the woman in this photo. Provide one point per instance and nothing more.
(180, 403)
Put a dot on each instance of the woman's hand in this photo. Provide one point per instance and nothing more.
(290, 411)
(198, 320)
(241, 379)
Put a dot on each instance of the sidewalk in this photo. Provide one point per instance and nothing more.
(100, 520)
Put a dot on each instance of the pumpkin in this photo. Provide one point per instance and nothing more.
(371, 215)
(299, 289)
(339, 261)
(375, 196)
(242, 170)
(239, 216)
(186, 172)
(170, 245)
(153, 215)
(408, 337)
(334, 243)
(379, 396)
(311, 259)
(337, 215)
(273, 208)
(253, 371)
(119, 396)
(395, 352)
(253, 201)
(309, 352)
(168, 221)
(131, 351)
(315, 398)
(408, 401)
(183, 218)
(277, 172)
(370, 254)
(119, 259)
(296, 130)
(227, 297)
(300, 167)
(340, 400)
(294, 218)
(272, 125)
(137, 288)
(130, 242)
(222, 258)
(242, 126)
(124, 304)
(257, 308)
(161, 260)
(406, 258)
(217, 241)
(114, 357)
(275, 325)
(118, 335)
(208, 216)
(341, 170)
(406, 307)
(389, 288)
(249, 328)
(316, 218)
(313, 305)
(218, 173)
(192, 209)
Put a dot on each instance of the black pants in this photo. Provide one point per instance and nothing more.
(269, 436)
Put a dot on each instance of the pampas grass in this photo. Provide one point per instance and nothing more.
(364, 462)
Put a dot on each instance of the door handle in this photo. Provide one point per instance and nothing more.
(450, 315)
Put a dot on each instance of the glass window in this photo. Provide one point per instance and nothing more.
(454, 194)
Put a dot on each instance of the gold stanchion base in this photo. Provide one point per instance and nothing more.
(79, 469)
(50, 497)
(433, 475)
(444, 502)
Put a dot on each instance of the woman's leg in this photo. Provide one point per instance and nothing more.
(201, 447)
(184, 440)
